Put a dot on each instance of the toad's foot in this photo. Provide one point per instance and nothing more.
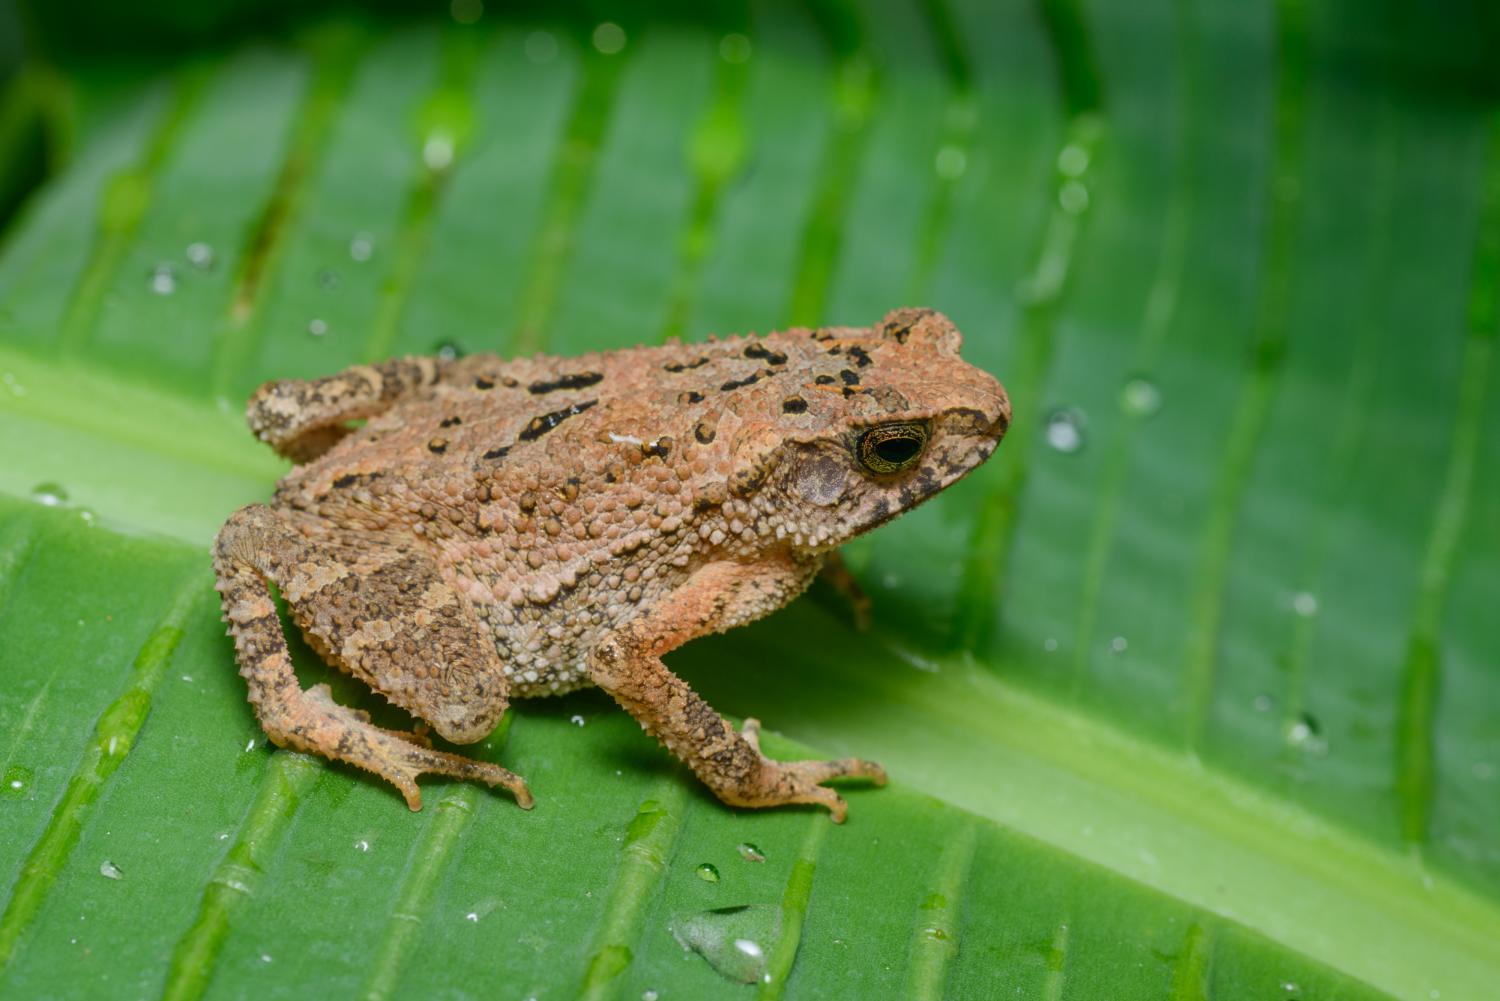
(322, 726)
(780, 782)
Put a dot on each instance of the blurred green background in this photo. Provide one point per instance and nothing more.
(1192, 692)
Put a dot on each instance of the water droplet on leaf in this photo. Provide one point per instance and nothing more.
(361, 247)
(1064, 430)
(734, 48)
(200, 255)
(734, 940)
(466, 11)
(750, 853)
(541, 47)
(708, 872)
(950, 163)
(609, 38)
(437, 151)
(162, 280)
(109, 870)
(50, 494)
(1140, 398)
(17, 778)
(1073, 160)
(1073, 198)
(1304, 733)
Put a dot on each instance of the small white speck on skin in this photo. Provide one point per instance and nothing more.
(625, 439)
(1118, 644)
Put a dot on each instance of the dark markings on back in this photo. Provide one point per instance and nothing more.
(794, 405)
(660, 448)
(850, 378)
(540, 425)
(483, 383)
(761, 351)
(681, 366)
(574, 380)
(437, 446)
(860, 355)
(703, 433)
(498, 453)
(901, 331)
(692, 396)
(737, 383)
(449, 422)
(825, 380)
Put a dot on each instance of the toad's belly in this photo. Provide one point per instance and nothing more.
(546, 623)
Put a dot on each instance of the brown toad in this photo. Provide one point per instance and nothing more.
(527, 527)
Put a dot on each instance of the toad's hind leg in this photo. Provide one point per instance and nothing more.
(334, 605)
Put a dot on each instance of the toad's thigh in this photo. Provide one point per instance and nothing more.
(381, 610)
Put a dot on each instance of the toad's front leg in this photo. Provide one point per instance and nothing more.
(627, 664)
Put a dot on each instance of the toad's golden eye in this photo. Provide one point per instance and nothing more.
(890, 448)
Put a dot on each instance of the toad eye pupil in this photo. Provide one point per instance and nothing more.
(898, 451)
(891, 448)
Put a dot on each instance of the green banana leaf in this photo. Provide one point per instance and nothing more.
(1192, 692)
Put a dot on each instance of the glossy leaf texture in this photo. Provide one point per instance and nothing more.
(1191, 692)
